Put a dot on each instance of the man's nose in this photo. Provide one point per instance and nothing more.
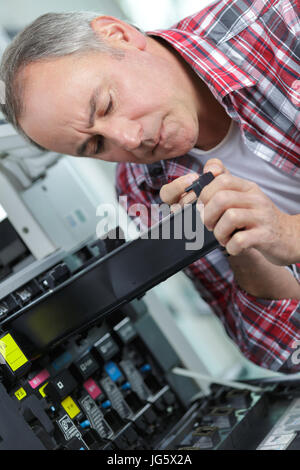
(123, 133)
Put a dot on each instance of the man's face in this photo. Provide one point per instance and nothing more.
(134, 109)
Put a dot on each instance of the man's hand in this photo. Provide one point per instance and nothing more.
(240, 215)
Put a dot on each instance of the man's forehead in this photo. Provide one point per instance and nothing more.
(52, 100)
(54, 83)
(53, 71)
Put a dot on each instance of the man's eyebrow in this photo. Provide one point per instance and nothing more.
(92, 106)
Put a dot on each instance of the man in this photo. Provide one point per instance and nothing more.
(217, 92)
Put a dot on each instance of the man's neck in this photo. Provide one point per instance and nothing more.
(213, 132)
(214, 122)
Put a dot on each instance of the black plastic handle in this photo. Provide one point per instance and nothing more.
(199, 184)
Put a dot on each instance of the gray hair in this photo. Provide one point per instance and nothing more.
(50, 36)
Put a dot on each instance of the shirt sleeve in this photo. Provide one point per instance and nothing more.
(267, 332)
(126, 184)
(268, 329)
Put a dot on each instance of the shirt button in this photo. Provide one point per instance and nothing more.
(155, 169)
(251, 137)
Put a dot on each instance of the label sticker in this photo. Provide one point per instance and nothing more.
(68, 428)
(11, 352)
(113, 371)
(285, 430)
(39, 378)
(20, 393)
(41, 390)
(116, 398)
(62, 361)
(92, 388)
(96, 417)
(70, 407)
(275, 440)
(135, 379)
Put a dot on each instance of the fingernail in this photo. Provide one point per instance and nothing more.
(214, 169)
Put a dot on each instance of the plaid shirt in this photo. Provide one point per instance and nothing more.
(247, 52)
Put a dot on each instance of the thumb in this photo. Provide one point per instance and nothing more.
(215, 166)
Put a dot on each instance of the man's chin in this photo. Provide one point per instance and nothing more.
(174, 152)
(163, 153)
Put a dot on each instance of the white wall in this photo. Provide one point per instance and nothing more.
(15, 14)
(157, 14)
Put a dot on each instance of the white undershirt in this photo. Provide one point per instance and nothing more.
(282, 189)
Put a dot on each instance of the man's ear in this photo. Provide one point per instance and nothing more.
(118, 32)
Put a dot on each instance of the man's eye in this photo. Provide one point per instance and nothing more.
(99, 141)
(109, 107)
(99, 144)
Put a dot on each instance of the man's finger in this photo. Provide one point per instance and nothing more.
(171, 193)
(232, 221)
(224, 200)
(223, 182)
(215, 166)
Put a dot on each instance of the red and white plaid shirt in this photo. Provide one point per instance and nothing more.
(247, 52)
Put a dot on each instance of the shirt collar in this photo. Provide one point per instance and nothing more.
(153, 174)
(209, 62)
